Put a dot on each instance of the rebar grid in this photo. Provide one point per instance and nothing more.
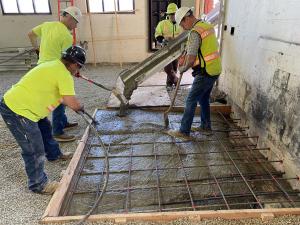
(267, 170)
(217, 200)
(127, 205)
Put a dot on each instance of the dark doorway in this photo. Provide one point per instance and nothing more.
(157, 9)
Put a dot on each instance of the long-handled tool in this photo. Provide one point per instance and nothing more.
(166, 118)
(116, 93)
(106, 150)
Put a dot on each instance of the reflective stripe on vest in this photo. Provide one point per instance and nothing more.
(211, 56)
(205, 33)
(209, 49)
(208, 58)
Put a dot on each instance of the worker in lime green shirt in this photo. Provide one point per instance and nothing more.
(165, 31)
(25, 107)
(55, 37)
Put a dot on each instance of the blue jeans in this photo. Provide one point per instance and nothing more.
(36, 141)
(200, 92)
(59, 120)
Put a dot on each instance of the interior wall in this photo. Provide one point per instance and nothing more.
(129, 44)
(261, 71)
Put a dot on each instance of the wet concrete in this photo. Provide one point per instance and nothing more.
(143, 157)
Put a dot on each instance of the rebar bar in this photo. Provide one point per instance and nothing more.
(266, 169)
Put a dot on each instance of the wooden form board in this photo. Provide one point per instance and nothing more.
(224, 109)
(58, 197)
(264, 214)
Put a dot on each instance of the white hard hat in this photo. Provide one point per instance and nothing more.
(74, 12)
(181, 13)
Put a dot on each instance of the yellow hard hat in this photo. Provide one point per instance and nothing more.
(172, 8)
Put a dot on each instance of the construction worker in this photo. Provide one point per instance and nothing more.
(55, 37)
(203, 57)
(165, 31)
(25, 108)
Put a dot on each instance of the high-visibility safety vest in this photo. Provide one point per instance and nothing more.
(209, 49)
(167, 29)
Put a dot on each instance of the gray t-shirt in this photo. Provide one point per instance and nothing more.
(194, 43)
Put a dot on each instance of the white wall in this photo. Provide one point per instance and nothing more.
(261, 69)
(129, 45)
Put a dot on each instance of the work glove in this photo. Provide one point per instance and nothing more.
(165, 43)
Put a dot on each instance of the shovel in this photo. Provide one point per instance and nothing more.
(166, 118)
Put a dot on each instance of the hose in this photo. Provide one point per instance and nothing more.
(98, 199)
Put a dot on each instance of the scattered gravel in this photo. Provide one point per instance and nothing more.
(20, 206)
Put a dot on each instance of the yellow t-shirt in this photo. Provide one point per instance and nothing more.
(55, 38)
(40, 90)
(167, 29)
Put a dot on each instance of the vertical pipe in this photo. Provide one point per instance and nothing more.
(118, 36)
(197, 8)
(157, 178)
(128, 200)
(92, 36)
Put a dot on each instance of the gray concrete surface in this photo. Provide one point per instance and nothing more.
(20, 206)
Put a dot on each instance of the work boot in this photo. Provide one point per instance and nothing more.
(70, 126)
(178, 134)
(64, 138)
(49, 188)
(66, 156)
(204, 131)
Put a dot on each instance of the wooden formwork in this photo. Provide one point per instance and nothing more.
(52, 212)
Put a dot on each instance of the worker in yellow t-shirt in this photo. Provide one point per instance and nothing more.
(55, 37)
(25, 107)
(165, 31)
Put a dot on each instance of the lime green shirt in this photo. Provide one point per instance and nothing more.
(40, 90)
(55, 37)
(167, 29)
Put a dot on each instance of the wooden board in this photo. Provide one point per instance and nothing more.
(57, 199)
(190, 215)
(224, 109)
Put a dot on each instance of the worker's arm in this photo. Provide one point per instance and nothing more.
(33, 39)
(72, 102)
(187, 61)
(159, 33)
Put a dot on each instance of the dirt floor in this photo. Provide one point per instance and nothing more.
(20, 206)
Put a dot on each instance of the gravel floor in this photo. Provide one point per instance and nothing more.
(20, 206)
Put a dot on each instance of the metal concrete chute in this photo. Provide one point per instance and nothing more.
(132, 77)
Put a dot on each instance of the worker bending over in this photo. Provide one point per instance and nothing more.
(55, 37)
(203, 57)
(165, 31)
(25, 108)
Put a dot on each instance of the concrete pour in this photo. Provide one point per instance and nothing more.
(141, 133)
